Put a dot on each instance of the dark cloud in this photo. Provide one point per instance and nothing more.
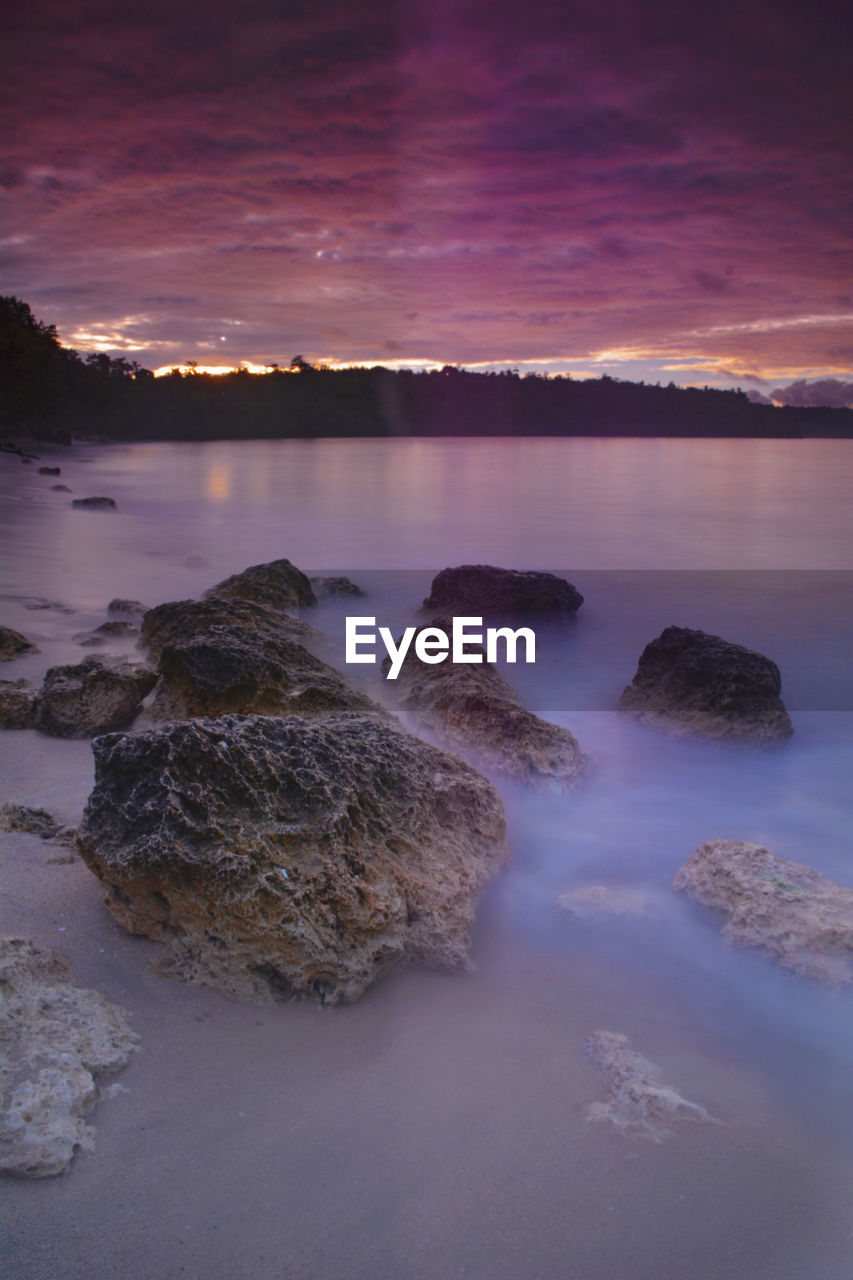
(826, 391)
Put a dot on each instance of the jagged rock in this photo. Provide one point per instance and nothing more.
(59, 1036)
(481, 590)
(278, 584)
(101, 635)
(231, 670)
(13, 644)
(50, 471)
(688, 682)
(95, 504)
(640, 1104)
(95, 696)
(609, 902)
(130, 608)
(17, 704)
(784, 910)
(36, 822)
(336, 586)
(285, 857)
(181, 621)
(476, 712)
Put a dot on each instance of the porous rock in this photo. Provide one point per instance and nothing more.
(181, 621)
(58, 1037)
(94, 696)
(482, 590)
(130, 608)
(688, 682)
(639, 1102)
(784, 910)
(17, 704)
(278, 584)
(36, 822)
(279, 857)
(95, 504)
(475, 711)
(14, 645)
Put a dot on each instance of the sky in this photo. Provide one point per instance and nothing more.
(643, 188)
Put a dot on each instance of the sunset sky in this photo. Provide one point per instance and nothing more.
(652, 189)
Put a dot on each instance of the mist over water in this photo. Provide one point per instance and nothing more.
(750, 540)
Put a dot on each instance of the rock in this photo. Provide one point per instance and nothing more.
(131, 608)
(60, 1036)
(609, 902)
(17, 704)
(639, 1102)
(101, 635)
(36, 603)
(13, 644)
(279, 584)
(476, 712)
(229, 670)
(284, 857)
(36, 822)
(781, 909)
(95, 696)
(336, 586)
(60, 488)
(180, 621)
(95, 504)
(481, 590)
(688, 682)
(50, 471)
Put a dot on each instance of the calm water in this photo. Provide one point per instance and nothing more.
(747, 539)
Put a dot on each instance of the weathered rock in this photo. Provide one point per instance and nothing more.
(609, 902)
(336, 586)
(230, 670)
(285, 857)
(36, 822)
(100, 636)
(130, 608)
(17, 704)
(639, 1104)
(782, 909)
(278, 584)
(181, 621)
(59, 1036)
(688, 682)
(14, 645)
(94, 696)
(481, 590)
(50, 471)
(95, 504)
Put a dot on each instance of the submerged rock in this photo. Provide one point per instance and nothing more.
(50, 471)
(475, 711)
(60, 488)
(182, 621)
(336, 586)
(35, 822)
(784, 910)
(640, 1103)
(130, 608)
(94, 696)
(17, 704)
(278, 584)
(14, 645)
(691, 683)
(285, 857)
(481, 590)
(95, 504)
(100, 636)
(58, 1037)
(609, 902)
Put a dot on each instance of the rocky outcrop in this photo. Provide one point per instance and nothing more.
(229, 669)
(476, 712)
(639, 1102)
(481, 590)
(14, 645)
(781, 909)
(182, 621)
(285, 857)
(278, 584)
(94, 696)
(35, 822)
(336, 586)
(95, 504)
(58, 1037)
(17, 704)
(688, 682)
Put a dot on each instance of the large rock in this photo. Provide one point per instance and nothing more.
(18, 699)
(58, 1037)
(278, 584)
(688, 682)
(94, 696)
(13, 644)
(284, 857)
(230, 670)
(475, 711)
(784, 910)
(481, 590)
(181, 621)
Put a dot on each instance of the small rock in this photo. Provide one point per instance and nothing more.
(481, 590)
(36, 822)
(601, 902)
(96, 696)
(95, 504)
(336, 586)
(60, 488)
(13, 644)
(278, 584)
(132, 608)
(17, 704)
(100, 636)
(50, 471)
